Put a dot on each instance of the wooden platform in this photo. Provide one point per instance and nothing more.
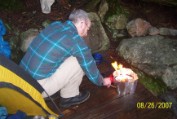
(104, 103)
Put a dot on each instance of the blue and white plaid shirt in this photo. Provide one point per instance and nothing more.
(52, 46)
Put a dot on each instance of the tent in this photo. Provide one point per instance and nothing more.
(19, 91)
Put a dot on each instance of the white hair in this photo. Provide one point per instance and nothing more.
(77, 15)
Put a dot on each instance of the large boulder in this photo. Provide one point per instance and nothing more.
(97, 38)
(140, 27)
(154, 55)
(114, 17)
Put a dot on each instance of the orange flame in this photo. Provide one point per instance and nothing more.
(116, 66)
(123, 74)
(118, 70)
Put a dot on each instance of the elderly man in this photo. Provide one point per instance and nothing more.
(58, 58)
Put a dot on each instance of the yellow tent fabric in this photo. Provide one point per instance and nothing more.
(20, 102)
(17, 93)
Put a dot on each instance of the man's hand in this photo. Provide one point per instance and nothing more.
(107, 81)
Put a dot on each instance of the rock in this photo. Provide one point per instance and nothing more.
(138, 27)
(169, 98)
(154, 55)
(27, 37)
(117, 21)
(168, 31)
(153, 31)
(103, 8)
(46, 23)
(97, 38)
(117, 35)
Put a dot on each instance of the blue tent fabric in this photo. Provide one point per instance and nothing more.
(4, 46)
(3, 113)
(5, 49)
(18, 115)
(2, 30)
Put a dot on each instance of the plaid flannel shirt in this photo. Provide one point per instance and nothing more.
(52, 46)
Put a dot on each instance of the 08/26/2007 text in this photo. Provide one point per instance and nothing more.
(154, 105)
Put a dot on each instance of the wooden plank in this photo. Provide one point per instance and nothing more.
(104, 103)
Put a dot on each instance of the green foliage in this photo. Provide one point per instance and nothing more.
(11, 4)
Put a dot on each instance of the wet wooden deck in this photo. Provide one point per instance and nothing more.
(104, 103)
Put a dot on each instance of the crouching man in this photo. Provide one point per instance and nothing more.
(58, 58)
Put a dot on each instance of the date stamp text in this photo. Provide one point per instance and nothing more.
(154, 105)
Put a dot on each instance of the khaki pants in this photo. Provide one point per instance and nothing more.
(66, 79)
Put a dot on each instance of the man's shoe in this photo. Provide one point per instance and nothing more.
(82, 97)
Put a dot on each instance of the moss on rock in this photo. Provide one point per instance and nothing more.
(155, 85)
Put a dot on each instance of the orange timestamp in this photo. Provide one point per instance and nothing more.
(154, 105)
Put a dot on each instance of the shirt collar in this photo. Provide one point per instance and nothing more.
(71, 25)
